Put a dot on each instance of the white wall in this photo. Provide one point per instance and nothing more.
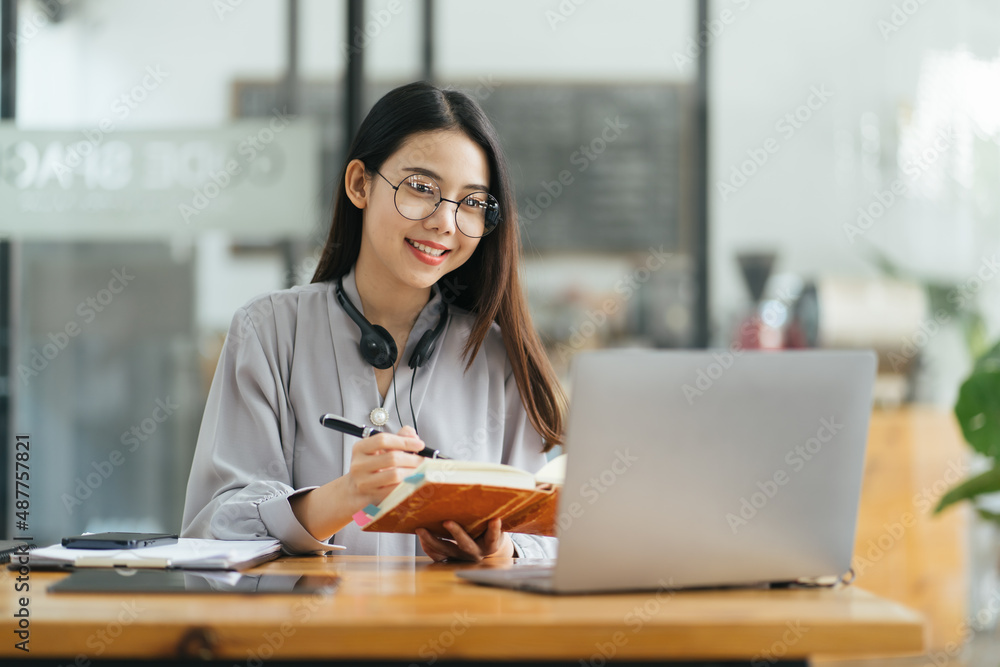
(71, 72)
(763, 67)
(798, 203)
(580, 40)
(764, 62)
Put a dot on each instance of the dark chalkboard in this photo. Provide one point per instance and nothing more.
(596, 166)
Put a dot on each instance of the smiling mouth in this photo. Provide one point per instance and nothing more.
(433, 252)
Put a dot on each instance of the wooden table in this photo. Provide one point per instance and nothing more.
(902, 551)
(412, 610)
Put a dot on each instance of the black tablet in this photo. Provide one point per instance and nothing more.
(127, 580)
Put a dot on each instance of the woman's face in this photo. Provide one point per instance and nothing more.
(391, 243)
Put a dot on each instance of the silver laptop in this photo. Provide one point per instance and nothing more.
(701, 468)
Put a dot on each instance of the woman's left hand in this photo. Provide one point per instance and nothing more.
(493, 542)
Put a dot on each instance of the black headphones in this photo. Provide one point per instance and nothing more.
(377, 346)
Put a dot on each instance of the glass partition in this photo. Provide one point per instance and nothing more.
(155, 179)
(849, 143)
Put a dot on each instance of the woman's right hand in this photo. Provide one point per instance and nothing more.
(380, 462)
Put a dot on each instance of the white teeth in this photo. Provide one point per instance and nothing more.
(433, 252)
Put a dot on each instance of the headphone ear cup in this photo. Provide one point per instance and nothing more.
(424, 349)
(377, 347)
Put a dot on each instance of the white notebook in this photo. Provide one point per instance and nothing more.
(186, 554)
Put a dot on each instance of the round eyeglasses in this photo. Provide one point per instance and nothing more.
(418, 196)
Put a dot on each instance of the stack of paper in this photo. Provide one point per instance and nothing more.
(186, 554)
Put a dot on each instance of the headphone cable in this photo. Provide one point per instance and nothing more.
(413, 415)
(395, 397)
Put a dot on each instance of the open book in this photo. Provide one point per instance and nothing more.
(470, 493)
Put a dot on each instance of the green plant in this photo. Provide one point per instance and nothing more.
(978, 412)
(978, 406)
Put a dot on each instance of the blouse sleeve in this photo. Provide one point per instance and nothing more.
(240, 484)
(522, 447)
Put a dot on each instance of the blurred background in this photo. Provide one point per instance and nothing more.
(695, 173)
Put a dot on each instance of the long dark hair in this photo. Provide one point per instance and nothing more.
(488, 284)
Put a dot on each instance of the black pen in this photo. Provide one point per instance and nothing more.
(338, 423)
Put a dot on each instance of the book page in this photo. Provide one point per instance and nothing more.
(553, 472)
(441, 471)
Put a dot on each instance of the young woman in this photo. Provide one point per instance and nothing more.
(425, 244)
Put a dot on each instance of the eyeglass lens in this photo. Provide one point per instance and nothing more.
(418, 197)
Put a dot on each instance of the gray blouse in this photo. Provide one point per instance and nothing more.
(293, 355)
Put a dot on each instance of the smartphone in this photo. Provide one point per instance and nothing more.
(118, 540)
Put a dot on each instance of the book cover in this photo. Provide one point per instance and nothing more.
(470, 493)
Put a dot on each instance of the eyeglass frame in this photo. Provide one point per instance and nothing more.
(458, 204)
